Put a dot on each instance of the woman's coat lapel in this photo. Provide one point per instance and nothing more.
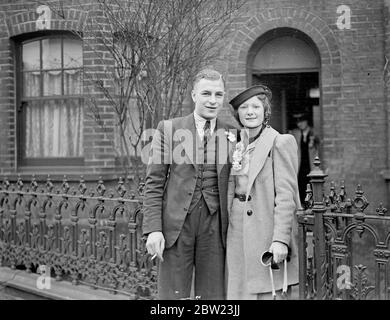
(263, 147)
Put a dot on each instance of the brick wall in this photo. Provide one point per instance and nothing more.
(353, 110)
(18, 18)
(7, 101)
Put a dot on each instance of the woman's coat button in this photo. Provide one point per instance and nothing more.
(249, 212)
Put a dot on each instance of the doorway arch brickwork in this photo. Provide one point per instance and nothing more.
(317, 29)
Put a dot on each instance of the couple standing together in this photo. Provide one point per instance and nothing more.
(215, 201)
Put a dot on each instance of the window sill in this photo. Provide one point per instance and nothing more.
(39, 163)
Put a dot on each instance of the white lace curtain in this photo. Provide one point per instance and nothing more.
(53, 128)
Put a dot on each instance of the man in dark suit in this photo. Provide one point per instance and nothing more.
(185, 203)
(308, 143)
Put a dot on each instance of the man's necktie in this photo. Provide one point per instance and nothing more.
(206, 137)
(207, 132)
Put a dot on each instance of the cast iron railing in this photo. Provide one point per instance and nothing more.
(82, 236)
(331, 247)
(94, 238)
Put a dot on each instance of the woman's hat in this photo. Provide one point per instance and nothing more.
(249, 93)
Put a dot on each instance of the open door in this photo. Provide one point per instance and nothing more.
(292, 93)
(288, 62)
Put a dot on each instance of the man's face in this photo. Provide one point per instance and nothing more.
(208, 97)
(302, 125)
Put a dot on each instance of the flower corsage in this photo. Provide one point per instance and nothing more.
(230, 135)
(237, 156)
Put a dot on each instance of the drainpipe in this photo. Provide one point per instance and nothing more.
(386, 79)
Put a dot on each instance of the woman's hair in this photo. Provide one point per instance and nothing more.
(267, 110)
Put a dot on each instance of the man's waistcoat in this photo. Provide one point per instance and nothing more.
(207, 179)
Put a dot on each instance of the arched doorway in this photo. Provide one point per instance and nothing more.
(287, 61)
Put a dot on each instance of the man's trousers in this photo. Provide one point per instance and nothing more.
(199, 245)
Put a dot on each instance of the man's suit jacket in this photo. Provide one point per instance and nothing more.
(313, 146)
(172, 173)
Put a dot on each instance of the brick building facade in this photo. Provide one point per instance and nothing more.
(335, 73)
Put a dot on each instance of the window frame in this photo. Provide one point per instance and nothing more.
(18, 43)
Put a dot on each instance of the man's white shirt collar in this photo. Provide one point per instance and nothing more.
(200, 122)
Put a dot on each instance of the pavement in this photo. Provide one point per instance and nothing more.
(5, 295)
(21, 285)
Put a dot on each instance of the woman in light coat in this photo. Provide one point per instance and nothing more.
(263, 198)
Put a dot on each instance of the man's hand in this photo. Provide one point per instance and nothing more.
(279, 250)
(156, 244)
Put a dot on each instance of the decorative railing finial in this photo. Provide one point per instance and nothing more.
(359, 190)
(360, 202)
(82, 186)
(34, 183)
(101, 189)
(317, 162)
(343, 193)
(317, 180)
(6, 183)
(49, 184)
(65, 184)
(381, 210)
(120, 188)
(309, 196)
(19, 183)
(317, 171)
(332, 193)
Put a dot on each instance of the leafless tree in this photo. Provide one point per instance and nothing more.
(147, 53)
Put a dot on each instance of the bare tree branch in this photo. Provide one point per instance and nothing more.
(145, 55)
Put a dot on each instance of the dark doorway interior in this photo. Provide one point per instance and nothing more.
(292, 93)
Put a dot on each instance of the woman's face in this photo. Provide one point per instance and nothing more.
(251, 113)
